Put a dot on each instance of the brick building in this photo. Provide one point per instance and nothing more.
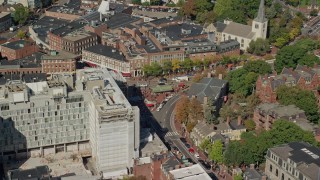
(150, 167)
(89, 4)
(106, 56)
(59, 62)
(18, 49)
(267, 113)
(73, 42)
(302, 76)
(27, 65)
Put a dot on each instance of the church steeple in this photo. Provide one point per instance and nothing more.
(261, 15)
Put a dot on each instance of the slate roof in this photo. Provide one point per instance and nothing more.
(220, 26)
(174, 32)
(32, 61)
(35, 77)
(19, 44)
(107, 51)
(306, 156)
(120, 20)
(238, 29)
(39, 172)
(207, 87)
(252, 174)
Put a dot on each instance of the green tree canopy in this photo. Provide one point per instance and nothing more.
(259, 47)
(209, 112)
(216, 153)
(21, 14)
(243, 80)
(152, 70)
(303, 99)
(253, 147)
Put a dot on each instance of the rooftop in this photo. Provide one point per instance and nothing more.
(32, 61)
(178, 31)
(35, 77)
(19, 44)
(58, 55)
(207, 87)
(304, 155)
(107, 51)
(194, 172)
(71, 7)
(39, 172)
(239, 30)
(280, 110)
(78, 35)
(3, 14)
(120, 20)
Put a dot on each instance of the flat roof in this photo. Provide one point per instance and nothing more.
(120, 20)
(71, 7)
(107, 51)
(76, 36)
(16, 44)
(194, 172)
(58, 55)
(3, 14)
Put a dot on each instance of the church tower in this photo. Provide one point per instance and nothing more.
(260, 23)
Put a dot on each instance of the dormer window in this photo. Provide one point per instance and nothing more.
(256, 26)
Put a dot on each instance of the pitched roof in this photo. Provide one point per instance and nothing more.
(238, 29)
(207, 87)
(303, 154)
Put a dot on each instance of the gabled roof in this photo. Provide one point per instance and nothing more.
(240, 30)
(207, 87)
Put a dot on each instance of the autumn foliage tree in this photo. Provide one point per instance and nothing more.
(188, 112)
(182, 110)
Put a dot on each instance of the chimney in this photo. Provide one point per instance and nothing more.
(239, 120)
(228, 121)
(209, 75)
(205, 100)
(251, 166)
(220, 76)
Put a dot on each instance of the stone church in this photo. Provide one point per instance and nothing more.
(244, 34)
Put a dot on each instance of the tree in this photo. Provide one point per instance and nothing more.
(309, 60)
(181, 109)
(314, 12)
(259, 67)
(226, 112)
(220, 70)
(21, 14)
(259, 47)
(250, 124)
(21, 34)
(253, 147)
(167, 66)
(152, 70)
(187, 64)
(136, 1)
(209, 112)
(198, 64)
(205, 144)
(303, 99)
(195, 110)
(216, 153)
(221, 6)
(189, 8)
(190, 126)
(288, 57)
(238, 177)
(180, 3)
(175, 65)
(197, 77)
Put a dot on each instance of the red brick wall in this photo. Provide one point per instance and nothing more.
(55, 41)
(144, 170)
(12, 54)
(21, 70)
(51, 66)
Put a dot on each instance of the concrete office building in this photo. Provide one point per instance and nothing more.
(90, 117)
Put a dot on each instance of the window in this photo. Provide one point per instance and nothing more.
(282, 176)
(270, 168)
(256, 26)
(277, 173)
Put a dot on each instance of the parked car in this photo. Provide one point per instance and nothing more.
(187, 145)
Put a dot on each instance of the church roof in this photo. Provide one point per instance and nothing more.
(240, 30)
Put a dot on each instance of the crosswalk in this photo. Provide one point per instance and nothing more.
(171, 134)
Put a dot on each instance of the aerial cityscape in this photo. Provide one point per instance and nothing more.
(160, 90)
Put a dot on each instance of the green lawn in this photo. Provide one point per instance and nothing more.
(307, 2)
